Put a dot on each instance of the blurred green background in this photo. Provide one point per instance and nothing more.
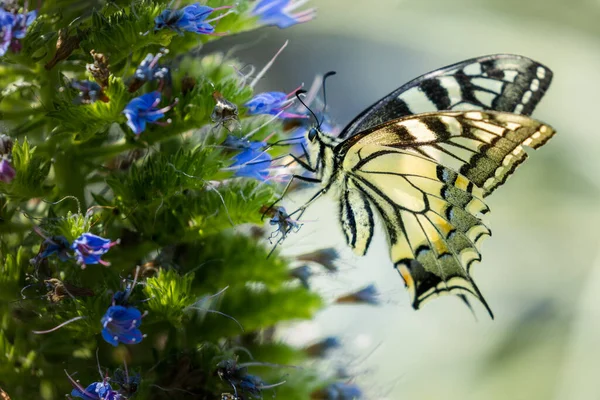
(541, 269)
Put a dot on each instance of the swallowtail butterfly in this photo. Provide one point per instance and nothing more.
(423, 159)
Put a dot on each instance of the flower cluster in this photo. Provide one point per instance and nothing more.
(13, 26)
(88, 249)
(74, 142)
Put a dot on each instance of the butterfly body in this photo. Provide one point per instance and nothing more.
(424, 176)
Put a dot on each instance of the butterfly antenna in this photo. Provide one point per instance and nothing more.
(302, 91)
(327, 75)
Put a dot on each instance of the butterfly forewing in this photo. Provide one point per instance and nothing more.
(426, 175)
(501, 82)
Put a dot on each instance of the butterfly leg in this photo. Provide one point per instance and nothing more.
(287, 187)
(303, 208)
(307, 166)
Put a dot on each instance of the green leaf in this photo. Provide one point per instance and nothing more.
(86, 120)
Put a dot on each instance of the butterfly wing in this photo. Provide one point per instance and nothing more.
(426, 176)
(501, 82)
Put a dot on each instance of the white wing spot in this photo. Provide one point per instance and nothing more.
(519, 108)
(452, 124)
(472, 69)
(452, 87)
(527, 96)
(536, 135)
(543, 128)
(541, 72)
(535, 85)
(489, 84)
(474, 115)
(484, 97)
(510, 76)
(418, 130)
(512, 125)
(416, 99)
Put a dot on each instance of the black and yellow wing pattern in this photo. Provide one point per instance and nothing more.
(499, 82)
(426, 176)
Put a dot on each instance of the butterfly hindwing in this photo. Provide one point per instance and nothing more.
(501, 82)
(356, 216)
(426, 175)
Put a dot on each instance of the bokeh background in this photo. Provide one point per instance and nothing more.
(541, 269)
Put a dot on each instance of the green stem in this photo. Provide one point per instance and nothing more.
(70, 180)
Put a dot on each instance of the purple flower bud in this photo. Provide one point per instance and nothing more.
(279, 12)
(120, 324)
(89, 248)
(7, 172)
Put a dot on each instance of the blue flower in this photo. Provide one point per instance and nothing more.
(251, 384)
(58, 245)
(253, 162)
(89, 248)
(279, 12)
(149, 70)
(271, 103)
(120, 324)
(7, 21)
(7, 172)
(21, 23)
(343, 391)
(191, 18)
(96, 391)
(142, 110)
(285, 224)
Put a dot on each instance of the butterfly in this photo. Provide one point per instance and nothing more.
(423, 158)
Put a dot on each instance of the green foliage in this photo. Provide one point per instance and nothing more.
(84, 121)
(32, 172)
(169, 294)
(185, 257)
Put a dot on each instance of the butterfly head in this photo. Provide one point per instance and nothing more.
(312, 134)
